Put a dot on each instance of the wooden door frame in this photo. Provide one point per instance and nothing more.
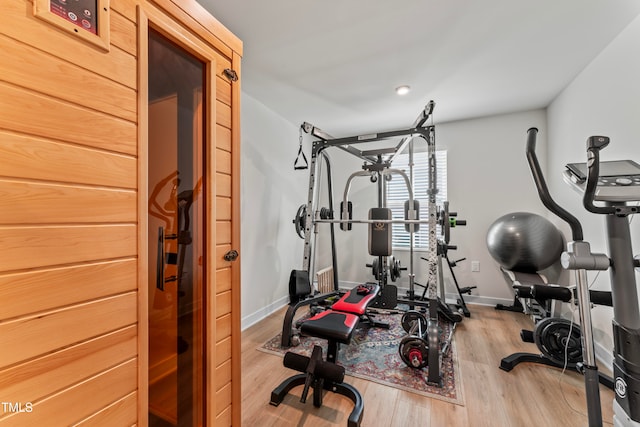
(181, 34)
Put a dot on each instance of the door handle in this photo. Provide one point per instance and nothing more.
(160, 260)
(232, 255)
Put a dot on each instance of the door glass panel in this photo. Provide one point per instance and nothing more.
(176, 236)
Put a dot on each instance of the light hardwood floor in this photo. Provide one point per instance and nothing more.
(529, 395)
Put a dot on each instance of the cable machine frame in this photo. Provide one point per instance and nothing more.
(373, 159)
(376, 165)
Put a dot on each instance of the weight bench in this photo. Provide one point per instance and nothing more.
(356, 301)
(337, 326)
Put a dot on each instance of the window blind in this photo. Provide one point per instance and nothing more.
(397, 195)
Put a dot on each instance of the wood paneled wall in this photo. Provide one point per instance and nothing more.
(72, 338)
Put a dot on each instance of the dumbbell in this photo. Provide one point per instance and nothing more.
(414, 348)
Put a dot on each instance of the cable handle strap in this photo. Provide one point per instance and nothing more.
(300, 152)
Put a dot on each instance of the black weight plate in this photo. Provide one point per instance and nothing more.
(446, 225)
(300, 220)
(395, 269)
(554, 336)
(375, 268)
(410, 317)
(391, 262)
(414, 351)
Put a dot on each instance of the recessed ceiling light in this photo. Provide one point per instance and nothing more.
(403, 90)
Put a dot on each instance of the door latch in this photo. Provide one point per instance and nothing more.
(230, 74)
(232, 255)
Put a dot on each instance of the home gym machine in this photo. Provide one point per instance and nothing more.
(614, 185)
(377, 167)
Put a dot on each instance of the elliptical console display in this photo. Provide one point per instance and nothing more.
(618, 181)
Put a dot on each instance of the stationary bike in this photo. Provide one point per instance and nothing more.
(613, 185)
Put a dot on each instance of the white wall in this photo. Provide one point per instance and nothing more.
(271, 193)
(604, 99)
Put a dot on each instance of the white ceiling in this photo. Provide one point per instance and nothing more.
(335, 63)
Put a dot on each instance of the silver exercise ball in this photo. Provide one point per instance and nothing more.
(523, 241)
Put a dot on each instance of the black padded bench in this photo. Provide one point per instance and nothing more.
(336, 325)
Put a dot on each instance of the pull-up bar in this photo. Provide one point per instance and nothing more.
(347, 143)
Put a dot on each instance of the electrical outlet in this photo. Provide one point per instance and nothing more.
(475, 266)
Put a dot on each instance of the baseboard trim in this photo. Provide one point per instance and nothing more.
(258, 315)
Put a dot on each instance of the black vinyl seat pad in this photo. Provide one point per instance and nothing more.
(355, 302)
(331, 325)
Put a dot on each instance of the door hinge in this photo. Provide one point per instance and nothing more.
(230, 74)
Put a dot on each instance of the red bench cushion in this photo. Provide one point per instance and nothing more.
(356, 302)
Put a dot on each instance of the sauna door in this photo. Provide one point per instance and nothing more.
(177, 230)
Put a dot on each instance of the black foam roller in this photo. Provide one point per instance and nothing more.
(601, 298)
(546, 292)
(295, 361)
(330, 371)
(523, 291)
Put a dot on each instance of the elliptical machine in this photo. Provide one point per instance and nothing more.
(618, 184)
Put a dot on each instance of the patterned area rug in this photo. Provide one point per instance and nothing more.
(373, 355)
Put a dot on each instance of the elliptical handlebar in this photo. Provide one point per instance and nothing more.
(577, 257)
(594, 145)
(543, 191)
